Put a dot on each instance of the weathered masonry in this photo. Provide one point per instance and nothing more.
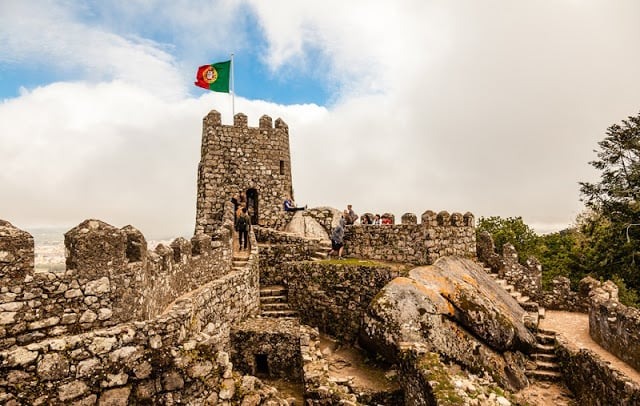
(252, 162)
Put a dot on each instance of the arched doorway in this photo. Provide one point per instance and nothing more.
(252, 205)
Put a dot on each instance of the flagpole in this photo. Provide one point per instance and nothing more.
(233, 90)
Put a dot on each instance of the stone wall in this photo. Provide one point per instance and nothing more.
(268, 347)
(110, 278)
(16, 254)
(145, 361)
(276, 248)
(438, 235)
(614, 326)
(242, 159)
(425, 381)
(527, 278)
(334, 297)
(592, 379)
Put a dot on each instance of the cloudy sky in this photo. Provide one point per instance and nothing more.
(493, 107)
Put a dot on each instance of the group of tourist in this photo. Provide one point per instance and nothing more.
(242, 222)
(376, 220)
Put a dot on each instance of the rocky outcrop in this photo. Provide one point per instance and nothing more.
(457, 311)
(306, 226)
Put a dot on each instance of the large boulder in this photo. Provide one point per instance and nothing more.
(306, 226)
(482, 306)
(457, 311)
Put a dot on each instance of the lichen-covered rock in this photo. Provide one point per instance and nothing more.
(457, 313)
(481, 305)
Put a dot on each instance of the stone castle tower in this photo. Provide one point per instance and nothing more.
(238, 159)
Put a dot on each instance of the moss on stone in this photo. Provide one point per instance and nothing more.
(439, 380)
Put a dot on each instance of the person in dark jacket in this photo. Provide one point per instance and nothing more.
(243, 224)
(337, 239)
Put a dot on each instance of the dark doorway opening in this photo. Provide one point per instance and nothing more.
(252, 205)
(262, 365)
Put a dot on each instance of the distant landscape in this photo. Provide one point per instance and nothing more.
(50, 251)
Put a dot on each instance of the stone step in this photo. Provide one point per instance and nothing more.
(273, 299)
(320, 254)
(547, 366)
(523, 299)
(516, 295)
(530, 306)
(510, 288)
(545, 331)
(488, 270)
(541, 312)
(530, 320)
(279, 313)
(273, 290)
(542, 375)
(274, 306)
(544, 357)
(548, 339)
(545, 348)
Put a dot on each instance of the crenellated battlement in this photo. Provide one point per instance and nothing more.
(237, 159)
(438, 234)
(16, 253)
(110, 278)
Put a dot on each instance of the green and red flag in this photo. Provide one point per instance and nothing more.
(214, 77)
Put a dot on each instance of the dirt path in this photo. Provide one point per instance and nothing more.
(346, 362)
(545, 394)
(575, 328)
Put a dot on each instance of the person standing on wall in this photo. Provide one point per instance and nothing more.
(243, 224)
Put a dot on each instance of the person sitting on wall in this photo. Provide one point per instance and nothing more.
(376, 220)
(365, 219)
(350, 216)
(289, 205)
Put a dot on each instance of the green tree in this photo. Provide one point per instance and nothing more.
(612, 236)
(510, 230)
(559, 255)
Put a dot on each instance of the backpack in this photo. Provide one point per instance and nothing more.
(242, 223)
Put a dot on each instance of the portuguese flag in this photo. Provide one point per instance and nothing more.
(214, 77)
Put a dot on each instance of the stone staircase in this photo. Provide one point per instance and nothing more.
(274, 302)
(239, 261)
(322, 252)
(533, 311)
(544, 363)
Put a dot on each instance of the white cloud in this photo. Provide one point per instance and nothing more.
(73, 151)
(490, 107)
(50, 36)
(493, 108)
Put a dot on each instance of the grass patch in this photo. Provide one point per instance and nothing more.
(353, 261)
